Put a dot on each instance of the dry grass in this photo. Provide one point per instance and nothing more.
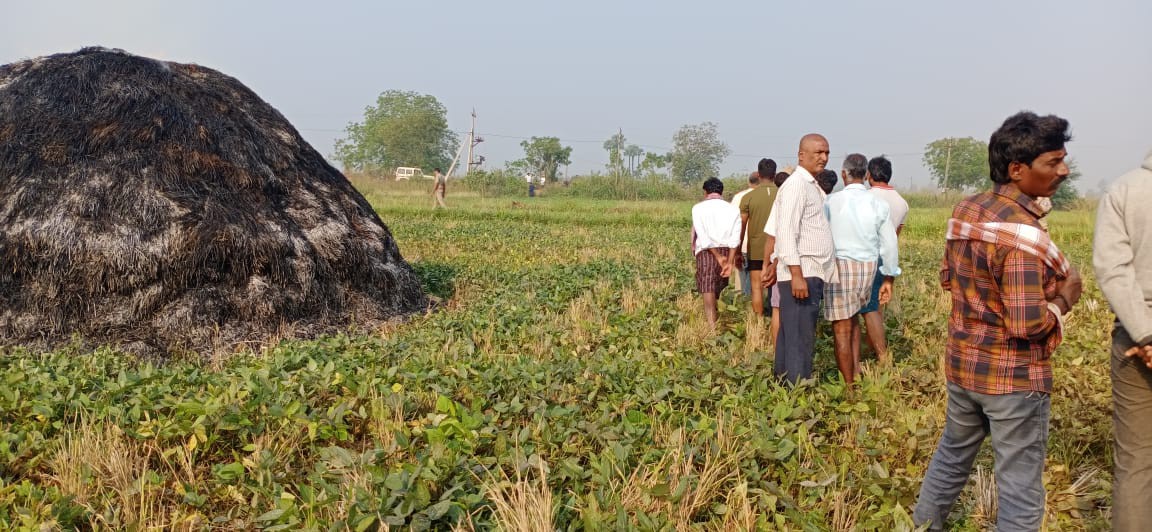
(702, 468)
(756, 336)
(107, 472)
(846, 507)
(523, 504)
(984, 495)
(386, 415)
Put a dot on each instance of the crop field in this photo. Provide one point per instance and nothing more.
(566, 381)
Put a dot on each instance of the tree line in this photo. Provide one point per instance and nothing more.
(406, 128)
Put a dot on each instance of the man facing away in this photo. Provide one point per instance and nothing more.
(438, 188)
(742, 261)
(879, 178)
(1122, 257)
(863, 234)
(1011, 288)
(827, 180)
(754, 210)
(807, 260)
(715, 242)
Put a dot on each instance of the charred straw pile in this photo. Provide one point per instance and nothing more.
(162, 206)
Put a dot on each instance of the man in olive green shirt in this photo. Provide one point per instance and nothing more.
(755, 207)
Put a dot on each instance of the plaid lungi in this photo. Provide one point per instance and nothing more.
(844, 299)
(708, 280)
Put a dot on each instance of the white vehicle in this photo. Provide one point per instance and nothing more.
(407, 172)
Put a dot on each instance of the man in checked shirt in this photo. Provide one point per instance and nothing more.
(1010, 289)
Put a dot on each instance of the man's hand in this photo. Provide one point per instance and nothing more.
(725, 269)
(738, 261)
(886, 291)
(768, 275)
(1071, 288)
(799, 285)
(1144, 352)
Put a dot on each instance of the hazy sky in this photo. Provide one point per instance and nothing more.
(874, 77)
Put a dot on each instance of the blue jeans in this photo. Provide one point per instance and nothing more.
(745, 277)
(1018, 423)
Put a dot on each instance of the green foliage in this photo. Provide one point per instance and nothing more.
(697, 153)
(958, 163)
(570, 340)
(1067, 197)
(633, 153)
(615, 148)
(611, 188)
(402, 129)
(493, 183)
(654, 161)
(545, 155)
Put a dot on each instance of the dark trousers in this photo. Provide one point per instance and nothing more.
(1132, 438)
(796, 342)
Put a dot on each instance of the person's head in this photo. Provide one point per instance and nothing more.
(880, 170)
(766, 168)
(854, 169)
(813, 153)
(754, 179)
(713, 186)
(827, 180)
(1028, 150)
(779, 178)
(436, 170)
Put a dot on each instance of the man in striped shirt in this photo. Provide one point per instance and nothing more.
(1010, 289)
(806, 260)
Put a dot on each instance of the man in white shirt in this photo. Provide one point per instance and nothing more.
(879, 178)
(863, 234)
(715, 241)
(807, 260)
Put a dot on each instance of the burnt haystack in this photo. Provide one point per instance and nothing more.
(162, 206)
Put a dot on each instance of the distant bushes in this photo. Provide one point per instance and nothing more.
(623, 188)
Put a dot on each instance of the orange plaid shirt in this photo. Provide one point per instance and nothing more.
(1000, 333)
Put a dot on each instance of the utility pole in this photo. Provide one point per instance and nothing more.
(473, 140)
(471, 136)
(947, 164)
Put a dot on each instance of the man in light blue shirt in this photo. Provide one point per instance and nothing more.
(862, 233)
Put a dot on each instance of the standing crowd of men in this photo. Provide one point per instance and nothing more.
(1011, 287)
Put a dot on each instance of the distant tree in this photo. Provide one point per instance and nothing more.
(615, 148)
(958, 163)
(402, 129)
(653, 160)
(1065, 198)
(545, 155)
(633, 153)
(697, 153)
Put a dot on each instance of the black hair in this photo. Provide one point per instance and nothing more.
(766, 167)
(855, 165)
(1021, 139)
(713, 186)
(779, 178)
(754, 178)
(827, 180)
(880, 168)
(437, 169)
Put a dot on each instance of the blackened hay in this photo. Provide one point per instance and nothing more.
(161, 206)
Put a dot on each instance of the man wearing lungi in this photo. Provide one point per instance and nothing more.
(715, 242)
(862, 233)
